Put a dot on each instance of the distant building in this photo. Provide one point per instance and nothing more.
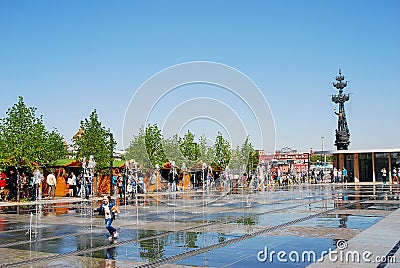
(366, 165)
(288, 159)
(78, 134)
(264, 157)
(119, 154)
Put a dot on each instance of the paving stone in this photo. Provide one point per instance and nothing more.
(187, 221)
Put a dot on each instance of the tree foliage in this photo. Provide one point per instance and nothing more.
(244, 158)
(149, 148)
(137, 150)
(206, 152)
(237, 163)
(55, 145)
(154, 145)
(222, 151)
(172, 150)
(250, 155)
(96, 140)
(320, 158)
(24, 139)
(189, 148)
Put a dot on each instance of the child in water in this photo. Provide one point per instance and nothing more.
(108, 210)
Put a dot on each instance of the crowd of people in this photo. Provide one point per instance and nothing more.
(395, 174)
(18, 184)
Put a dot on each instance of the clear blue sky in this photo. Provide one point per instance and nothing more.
(69, 57)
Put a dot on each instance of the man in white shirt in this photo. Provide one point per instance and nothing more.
(52, 181)
(37, 179)
(71, 184)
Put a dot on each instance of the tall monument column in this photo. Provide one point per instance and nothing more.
(342, 140)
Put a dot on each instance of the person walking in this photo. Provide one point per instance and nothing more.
(121, 186)
(13, 185)
(51, 181)
(37, 179)
(335, 175)
(395, 175)
(72, 184)
(340, 173)
(108, 210)
(344, 174)
(384, 175)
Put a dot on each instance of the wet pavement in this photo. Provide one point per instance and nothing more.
(196, 228)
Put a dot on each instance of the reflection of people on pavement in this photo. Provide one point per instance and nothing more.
(110, 253)
(342, 222)
(109, 262)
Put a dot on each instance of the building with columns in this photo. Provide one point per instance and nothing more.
(366, 165)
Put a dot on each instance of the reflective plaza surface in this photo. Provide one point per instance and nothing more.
(218, 228)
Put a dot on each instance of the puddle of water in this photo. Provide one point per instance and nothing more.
(162, 247)
(342, 221)
(244, 253)
(375, 206)
(232, 208)
(46, 208)
(272, 219)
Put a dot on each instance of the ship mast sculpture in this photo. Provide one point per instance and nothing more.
(342, 132)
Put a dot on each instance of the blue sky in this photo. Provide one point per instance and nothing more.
(69, 57)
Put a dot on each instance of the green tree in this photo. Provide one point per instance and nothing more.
(237, 161)
(222, 151)
(253, 161)
(154, 145)
(137, 150)
(56, 147)
(206, 152)
(24, 139)
(189, 148)
(320, 158)
(172, 150)
(96, 140)
(244, 158)
(250, 156)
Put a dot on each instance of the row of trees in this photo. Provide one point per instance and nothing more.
(24, 141)
(149, 149)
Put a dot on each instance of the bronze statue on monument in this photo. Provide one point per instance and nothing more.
(342, 140)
